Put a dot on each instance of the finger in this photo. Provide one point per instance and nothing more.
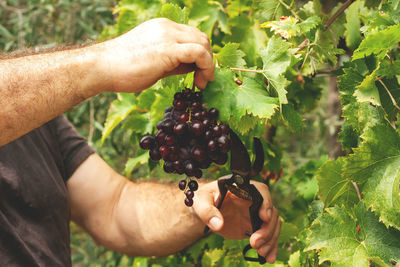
(195, 53)
(271, 257)
(194, 35)
(265, 211)
(208, 213)
(266, 232)
(267, 250)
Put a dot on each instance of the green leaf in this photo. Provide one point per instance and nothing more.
(309, 24)
(333, 186)
(132, 163)
(288, 231)
(139, 123)
(237, 101)
(174, 13)
(353, 35)
(292, 117)
(231, 56)
(378, 43)
(336, 237)
(208, 14)
(118, 111)
(212, 257)
(276, 59)
(374, 166)
(367, 90)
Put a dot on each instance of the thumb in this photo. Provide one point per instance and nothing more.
(208, 213)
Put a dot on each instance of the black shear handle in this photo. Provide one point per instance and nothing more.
(256, 222)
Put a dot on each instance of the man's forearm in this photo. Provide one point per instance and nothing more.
(153, 220)
(35, 89)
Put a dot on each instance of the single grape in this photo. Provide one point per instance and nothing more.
(168, 109)
(224, 143)
(184, 153)
(180, 128)
(170, 139)
(193, 185)
(182, 185)
(178, 167)
(189, 194)
(147, 142)
(198, 154)
(155, 154)
(179, 104)
(178, 96)
(208, 135)
(160, 137)
(212, 145)
(168, 167)
(216, 131)
(173, 157)
(213, 113)
(221, 159)
(197, 116)
(174, 149)
(159, 124)
(189, 169)
(189, 202)
(167, 116)
(164, 151)
(184, 117)
(198, 173)
(196, 105)
(197, 128)
(224, 128)
(168, 126)
(198, 96)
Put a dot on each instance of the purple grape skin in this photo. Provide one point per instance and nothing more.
(182, 185)
(224, 143)
(216, 131)
(189, 202)
(197, 128)
(212, 145)
(180, 128)
(224, 128)
(147, 142)
(168, 109)
(189, 169)
(160, 137)
(198, 173)
(155, 154)
(213, 113)
(168, 126)
(193, 185)
(164, 151)
(168, 167)
(184, 117)
(170, 139)
(189, 194)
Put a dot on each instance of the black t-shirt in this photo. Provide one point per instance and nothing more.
(34, 209)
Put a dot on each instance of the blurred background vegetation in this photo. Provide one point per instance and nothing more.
(41, 25)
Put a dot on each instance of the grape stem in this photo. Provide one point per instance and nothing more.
(358, 190)
(337, 14)
(247, 70)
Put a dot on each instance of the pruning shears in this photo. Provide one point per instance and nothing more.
(239, 183)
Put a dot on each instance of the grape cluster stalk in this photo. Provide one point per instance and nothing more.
(189, 138)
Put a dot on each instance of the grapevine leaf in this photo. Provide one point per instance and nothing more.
(237, 101)
(367, 90)
(292, 117)
(174, 13)
(132, 163)
(374, 166)
(119, 109)
(378, 43)
(286, 27)
(353, 35)
(288, 231)
(276, 60)
(145, 99)
(245, 124)
(270, 9)
(209, 13)
(353, 238)
(309, 24)
(231, 56)
(249, 35)
(333, 187)
(162, 100)
(139, 123)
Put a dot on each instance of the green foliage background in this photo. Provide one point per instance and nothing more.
(337, 211)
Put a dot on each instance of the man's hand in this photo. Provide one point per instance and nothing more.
(153, 50)
(233, 220)
(34, 89)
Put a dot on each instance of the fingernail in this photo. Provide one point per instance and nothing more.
(215, 223)
(260, 242)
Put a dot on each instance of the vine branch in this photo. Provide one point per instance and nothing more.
(337, 13)
(247, 70)
(358, 190)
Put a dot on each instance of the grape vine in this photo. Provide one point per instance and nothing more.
(275, 60)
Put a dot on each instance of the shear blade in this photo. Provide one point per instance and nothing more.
(240, 159)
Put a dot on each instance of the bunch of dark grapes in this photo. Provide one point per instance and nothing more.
(189, 138)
